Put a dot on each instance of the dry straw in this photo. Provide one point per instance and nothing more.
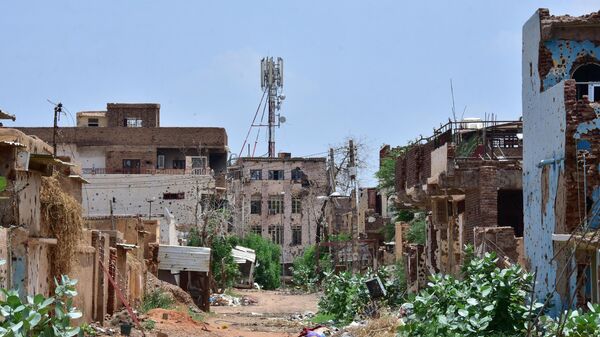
(62, 213)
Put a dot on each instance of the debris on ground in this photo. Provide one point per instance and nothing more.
(225, 300)
(319, 331)
(307, 315)
(382, 327)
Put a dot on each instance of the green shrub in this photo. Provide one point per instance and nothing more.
(488, 301)
(417, 232)
(345, 295)
(225, 270)
(268, 270)
(149, 324)
(405, 215)
(156, 299)
(395, 285)
(575, 323)
(342, 237)
(38, 315)
(304, 269)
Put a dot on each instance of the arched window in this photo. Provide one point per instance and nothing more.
(587, 77)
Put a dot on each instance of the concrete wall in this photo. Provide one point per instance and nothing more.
(544, 118)
(241, 194)
(439, 160)
(131, 192)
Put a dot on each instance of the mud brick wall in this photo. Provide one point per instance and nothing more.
(114, 159)
(481, 205)
(418, 164)
(500, 240)
(581, 127)
(174, 137)
(148, 113)
(400, 174)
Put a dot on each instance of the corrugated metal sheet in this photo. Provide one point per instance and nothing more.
(242, 254)
(181, 258)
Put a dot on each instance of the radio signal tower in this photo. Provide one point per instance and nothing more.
(271, 80)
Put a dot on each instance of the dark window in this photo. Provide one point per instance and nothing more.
(587, 77)
(131, 166)
(275, 174)
(255, 174)
(296, 235)
(275, 205)
(179, 164)
(296, 205)
(257, 230)
(510, 210)
(174, 196)
(93, 122)
(276, 234)
(297, 174)
(255, 206)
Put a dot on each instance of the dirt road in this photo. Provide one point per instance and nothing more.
(270, 317)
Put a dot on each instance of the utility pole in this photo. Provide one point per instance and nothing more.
(57, 112)
(272, 82)
(331, 171)
(354, 225)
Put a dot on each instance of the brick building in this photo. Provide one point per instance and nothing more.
(561, 112)
(466, 177)
(278, 199)
(133, 164)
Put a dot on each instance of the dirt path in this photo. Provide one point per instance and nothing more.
(270, 317)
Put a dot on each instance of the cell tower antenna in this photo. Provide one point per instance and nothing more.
(271, 81)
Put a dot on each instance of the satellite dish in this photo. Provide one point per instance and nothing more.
(282, 119)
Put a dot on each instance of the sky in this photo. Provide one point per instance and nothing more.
(378, 71)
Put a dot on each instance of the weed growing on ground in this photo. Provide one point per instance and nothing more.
(149, 324)
(156, 299)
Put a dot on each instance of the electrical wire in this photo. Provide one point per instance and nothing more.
(253, 121)
(258, 132)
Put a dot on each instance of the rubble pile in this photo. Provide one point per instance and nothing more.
(225, 300)
(180, 296)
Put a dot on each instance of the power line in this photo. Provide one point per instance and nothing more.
(253, 120)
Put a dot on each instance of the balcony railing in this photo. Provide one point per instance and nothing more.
(193, 171)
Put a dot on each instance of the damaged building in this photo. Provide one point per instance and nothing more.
(135, 166)
(561, 112)
(466, 180)
(277, 198)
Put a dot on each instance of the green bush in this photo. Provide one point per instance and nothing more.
(342, 237)
(268, 254)
(304, 269)
(488, 301)
(575, 323)
(405, 215)
(224, 269)
(417, 232)
(346, 297)
(40, 316)
(395, 285)
(156, 299)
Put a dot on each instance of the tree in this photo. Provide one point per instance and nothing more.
(386, 175)
(339, 168)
